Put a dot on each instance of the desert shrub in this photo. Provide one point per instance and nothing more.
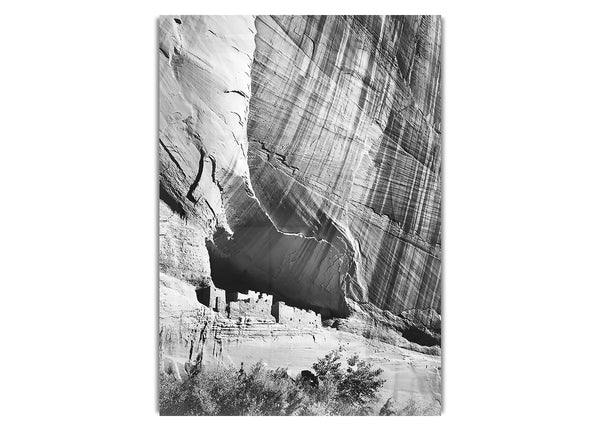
(265, 392)
(354, 389)
(412, 407)
(390, 408)
(225, 391)
(349, 390)
(198, 395)
(360, 383)
(330, 366)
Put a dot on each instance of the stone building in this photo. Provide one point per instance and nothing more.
(251, 305)
(212, 297)
(295, 317)
(242, 296)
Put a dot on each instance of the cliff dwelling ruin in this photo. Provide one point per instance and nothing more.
(254, 306)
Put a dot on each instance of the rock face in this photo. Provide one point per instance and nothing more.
(345, 146)
(300, 156)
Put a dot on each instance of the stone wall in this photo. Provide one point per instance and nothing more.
(241, 296)
(212, 297)
(295, 317)
(252, 305)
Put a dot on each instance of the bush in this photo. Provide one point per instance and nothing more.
(226, 391)
(354, 389)
(411, 408)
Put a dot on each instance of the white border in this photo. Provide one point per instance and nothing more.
(521, 214)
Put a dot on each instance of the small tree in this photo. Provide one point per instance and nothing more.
(330, 366)
(360, 383)
(355, 389)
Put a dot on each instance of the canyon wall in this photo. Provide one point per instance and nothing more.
(300, 156)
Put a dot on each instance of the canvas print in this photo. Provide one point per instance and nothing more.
(299, 209)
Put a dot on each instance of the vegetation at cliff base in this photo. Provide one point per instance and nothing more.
(335, 386)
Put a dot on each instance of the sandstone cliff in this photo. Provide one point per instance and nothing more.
(302, 156)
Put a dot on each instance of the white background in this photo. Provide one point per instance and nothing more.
(78, 182)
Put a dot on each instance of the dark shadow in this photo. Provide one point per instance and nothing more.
(422, 338)
(171, 202)
(190, 193)
(227, 276)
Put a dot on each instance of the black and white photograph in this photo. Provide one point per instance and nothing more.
(300, 215)
(260, 215)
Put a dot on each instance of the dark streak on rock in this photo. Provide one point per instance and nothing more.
(171, 202)
(210, 208)
(170, 155)
(163, 51)
(190, 193)
(214, 168)
(240, 92)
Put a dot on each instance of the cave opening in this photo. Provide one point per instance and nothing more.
(420, 337)
(228, 276)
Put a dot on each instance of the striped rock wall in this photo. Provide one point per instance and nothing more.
(345, 145)
(308, 153)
